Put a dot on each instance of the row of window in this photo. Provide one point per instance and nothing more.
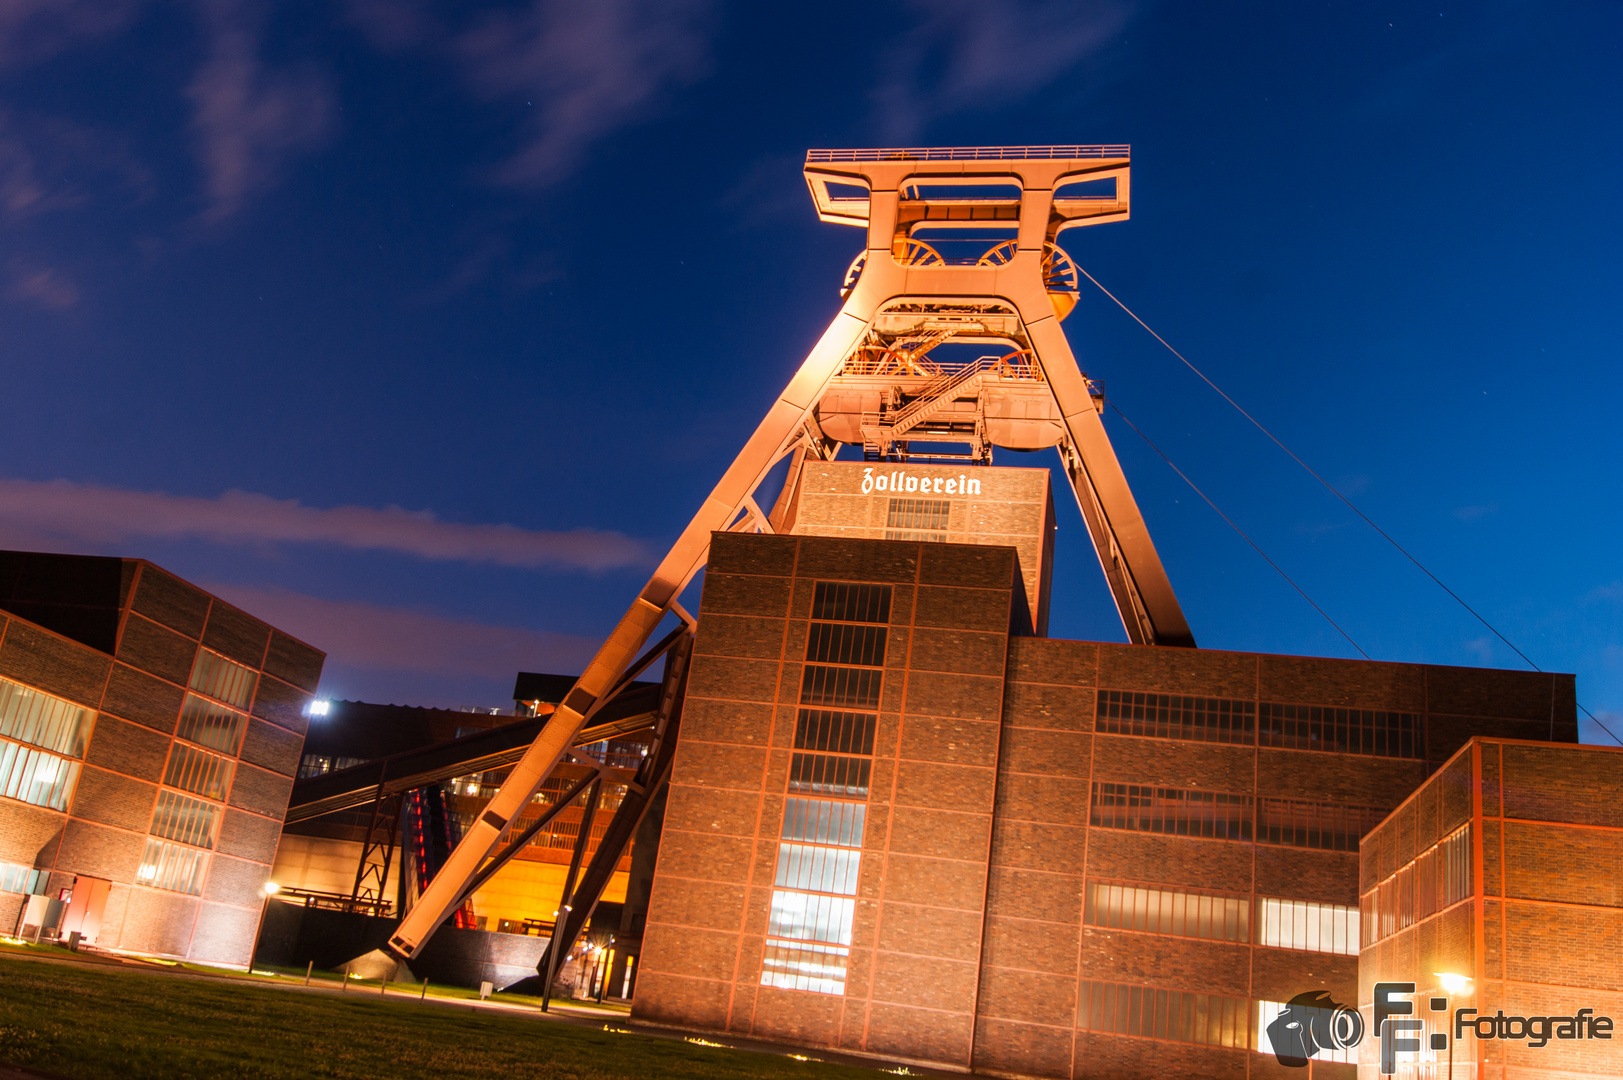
(820, 849)
(1215, 916)
(1221, 815)
(40, 736)
(1225, 720)
(197, 778)
(16, 878)
(1148, 1012)
(1438, 878)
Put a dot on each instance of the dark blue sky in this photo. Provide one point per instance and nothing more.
(308, 301)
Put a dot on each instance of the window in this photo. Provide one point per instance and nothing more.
(1436, 880)
(16, 878)
(1306, 925)
(34, 776)
(39, 734)
(214, 726)
(1341, 731)
(847, 602)
(856, 688)
(1178, 1016)
(917, 519)
(1304, 824)
(837, 732)
(41, 720)
(224, 680)
(171, 867)
(1174, 811)
(1170, 716)
(844, 643)
(202, 773)
(820, 848)
(822, 774)
(190, 821)
(1160, 910)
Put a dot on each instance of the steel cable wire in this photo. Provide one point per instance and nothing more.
(1330, 488)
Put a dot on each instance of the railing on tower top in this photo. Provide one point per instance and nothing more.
(970, 153)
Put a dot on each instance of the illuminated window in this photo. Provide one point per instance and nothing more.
(1173, 1015)
(39, 735)
(1341, 731)
(34, 776)
(1161, 910)
(190, 821)
(917, 519)
(201, 773)
(224, 680)
(41, 720)
(1172, 716)
(1175, 811)
(16, 878)
(211, 725)
(172, 867)
(820, 853)
(1309, 926)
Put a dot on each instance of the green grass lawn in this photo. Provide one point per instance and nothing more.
(103, 1023)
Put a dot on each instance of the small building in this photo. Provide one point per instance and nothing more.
(1503, 876)
(149, 735)
(900, 824)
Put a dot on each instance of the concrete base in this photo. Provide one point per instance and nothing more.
(378, 964)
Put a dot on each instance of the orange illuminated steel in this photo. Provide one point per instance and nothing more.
(962, 249)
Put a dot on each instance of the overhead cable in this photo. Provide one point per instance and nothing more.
(1329, 487)
(1237, 529)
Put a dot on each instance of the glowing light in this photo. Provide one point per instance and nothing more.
(1454, 984)
(320, 708)
(271, 888)
(705, 1042)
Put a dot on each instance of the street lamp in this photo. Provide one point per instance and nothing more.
(1455, 985)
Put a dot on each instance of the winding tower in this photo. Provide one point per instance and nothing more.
(946, 348)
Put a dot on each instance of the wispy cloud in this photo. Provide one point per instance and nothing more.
(35, 30)
(105, 515)
(966, 54)
(377, 638)
(582, 70)
(44, 287)
(248, 119)
(49, 163)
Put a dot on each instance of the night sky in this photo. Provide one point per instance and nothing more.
(419, 330)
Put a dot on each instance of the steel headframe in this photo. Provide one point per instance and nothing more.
(886, 193)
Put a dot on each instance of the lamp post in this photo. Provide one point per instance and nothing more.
(1455, 985)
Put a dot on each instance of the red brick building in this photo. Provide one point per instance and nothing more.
(1505, 867)
(897, 828)
(149, 734)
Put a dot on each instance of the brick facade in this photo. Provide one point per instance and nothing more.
(969, 945)
(1537, 919)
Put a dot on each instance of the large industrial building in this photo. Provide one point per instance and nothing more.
(900, 825)
(149, 734)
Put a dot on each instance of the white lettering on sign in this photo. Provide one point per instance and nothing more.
(899, 481)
